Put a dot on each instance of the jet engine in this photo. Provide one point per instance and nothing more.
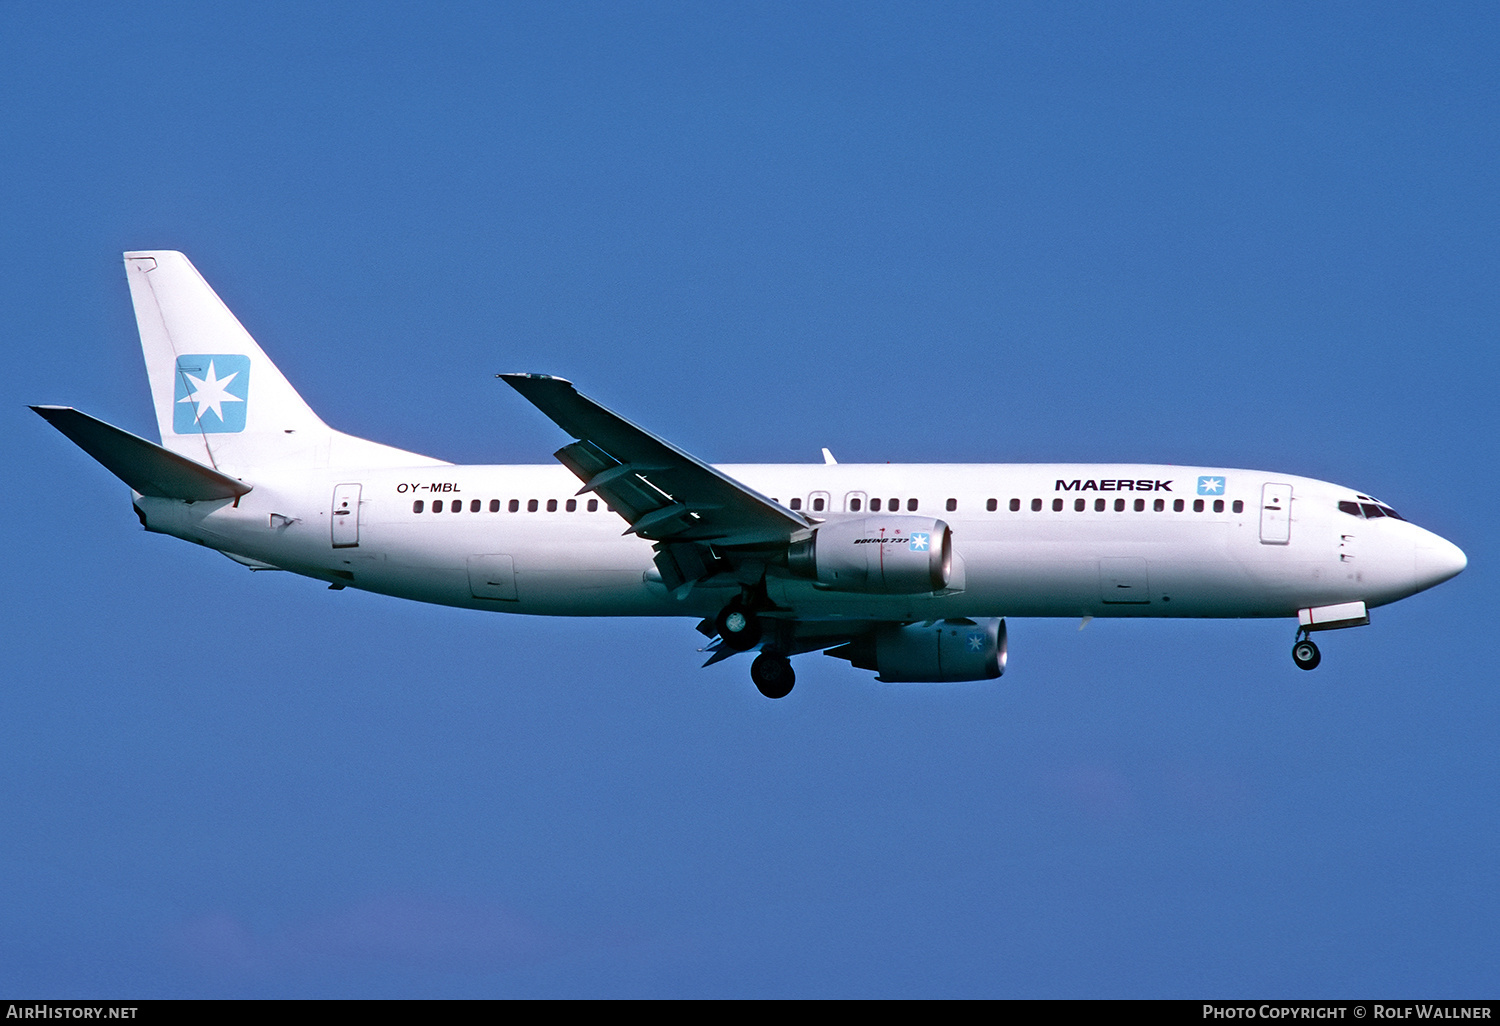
(947, 650)
(883, 555)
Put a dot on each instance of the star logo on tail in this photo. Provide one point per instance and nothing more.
(212, 393)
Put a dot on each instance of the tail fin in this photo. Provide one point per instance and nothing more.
(219, 399)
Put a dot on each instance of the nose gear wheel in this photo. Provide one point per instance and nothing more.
(1305, 654)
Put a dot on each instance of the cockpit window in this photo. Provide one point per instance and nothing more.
(1368, 510)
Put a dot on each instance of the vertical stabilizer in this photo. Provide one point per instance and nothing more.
(219, 400)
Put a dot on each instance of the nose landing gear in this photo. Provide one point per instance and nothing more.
(1304, 653)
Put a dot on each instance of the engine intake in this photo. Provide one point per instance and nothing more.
(881, 555)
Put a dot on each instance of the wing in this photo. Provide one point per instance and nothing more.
(704, 522)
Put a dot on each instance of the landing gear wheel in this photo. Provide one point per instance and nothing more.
(1306, 655)
(773, 675)
(738, 626)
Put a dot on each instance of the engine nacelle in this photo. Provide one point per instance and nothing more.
(949, 650)
(883, 555)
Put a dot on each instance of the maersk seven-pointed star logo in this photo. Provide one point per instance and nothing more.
(1210, 486)
(919, 541)
(976, 642)
(212, 393)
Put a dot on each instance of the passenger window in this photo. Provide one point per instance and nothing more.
(854, 505)
(1119, 505)
(474, 506)
(1079, 505)
(1098, 505)
(1057, 505)
(797, 503)
(593, 505)
(1140, 505)
(874, 505)
(531, 505)
(416, 507)
(572, 505)
(515, 505)
(1197, 505)
(992, 505)
(1036, 505)
(894, 505)
(1015, 505)
(1218, 505)
(911, 505)
(456, 505)
(1239, 506)
(551, 505)
(437, 505)
(952, 505)
(818, 505)
(1177, 506)
(1159, 505)
(494, 505)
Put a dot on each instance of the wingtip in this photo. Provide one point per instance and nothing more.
(514, 377)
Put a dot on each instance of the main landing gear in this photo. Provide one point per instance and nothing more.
(1304, 653)
(772, 673)
(739, 626)
(740, 629)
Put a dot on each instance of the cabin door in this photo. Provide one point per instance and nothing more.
(346, 516)
(1276, 514)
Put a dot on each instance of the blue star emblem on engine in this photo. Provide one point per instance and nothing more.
(919, 541)
(1210, 486)
(211, 394)
(976, 642)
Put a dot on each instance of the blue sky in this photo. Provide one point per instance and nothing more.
(1257, 236)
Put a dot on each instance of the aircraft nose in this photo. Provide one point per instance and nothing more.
(1437, 560)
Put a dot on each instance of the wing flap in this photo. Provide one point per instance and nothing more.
(145, 466)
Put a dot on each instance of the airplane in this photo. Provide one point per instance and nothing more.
(907, 570)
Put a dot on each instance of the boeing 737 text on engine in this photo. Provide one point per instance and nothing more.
(904, 570)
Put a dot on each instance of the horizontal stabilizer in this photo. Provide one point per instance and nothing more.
(144, 466)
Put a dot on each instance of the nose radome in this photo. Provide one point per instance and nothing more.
(1437, 560)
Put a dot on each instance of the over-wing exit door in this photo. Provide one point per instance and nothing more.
(345, 516)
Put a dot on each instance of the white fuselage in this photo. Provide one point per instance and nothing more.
(1129, 558)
